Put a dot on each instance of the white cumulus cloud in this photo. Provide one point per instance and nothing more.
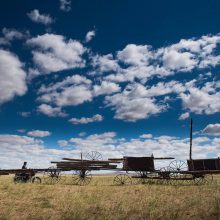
(106, 88)
(83, 120)
(10, 34)
(35, 16)
(104, 63)
(65, 5)
(204, 100)
(23, 148)
(144, 62)
(184, 116)
(146, 136)
(212, 129)
(71, 91)
(175, 60)
(54, 53)
(51, 111)
(62, 143)
(12, 76)
(39, 133)
(89, 36)
(135, 54)
(133, 104)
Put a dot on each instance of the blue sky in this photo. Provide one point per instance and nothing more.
(120, 77)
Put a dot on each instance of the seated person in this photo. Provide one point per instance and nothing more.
(25, 175)
(24, 165)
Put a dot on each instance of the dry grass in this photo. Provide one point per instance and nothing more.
(101, 200)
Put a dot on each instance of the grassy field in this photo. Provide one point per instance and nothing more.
(102, 200)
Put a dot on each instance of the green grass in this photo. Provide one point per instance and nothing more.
(102, 200)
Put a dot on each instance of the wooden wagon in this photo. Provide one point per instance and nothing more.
(204, 164)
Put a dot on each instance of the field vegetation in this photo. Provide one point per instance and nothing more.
(102, 200)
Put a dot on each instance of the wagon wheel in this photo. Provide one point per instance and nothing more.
(36, 180)
(122, 179)
(179, 178)
(52, 176)
(62, 176)
(164, 174)
(202, 178)
(93, 155)
(178, 165)
(81, 177)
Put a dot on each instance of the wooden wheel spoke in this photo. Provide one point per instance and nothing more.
(52, 176)
(82, 177)
(122, 179)
(203, 178)
(78, 181)
(117, 179)
(94, 155)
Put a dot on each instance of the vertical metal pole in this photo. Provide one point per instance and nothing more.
(190, 150)
(81, 162)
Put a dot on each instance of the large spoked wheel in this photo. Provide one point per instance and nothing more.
(122, 179)
(81, 177)
(202, 179)
(36, 180)
(164, 175)
(62, 176)
(93, 155)
(52, 176)
(176, 177)
(178, 165)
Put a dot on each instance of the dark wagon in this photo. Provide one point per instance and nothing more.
(144, 164)
(138, 170)
(204, 164)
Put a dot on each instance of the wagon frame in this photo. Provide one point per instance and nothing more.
(138, 169)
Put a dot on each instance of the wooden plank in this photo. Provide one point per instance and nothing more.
(91, 161)
(155, 158)
(77, 162)
(61, 165)
(116, 159)
(164, 158)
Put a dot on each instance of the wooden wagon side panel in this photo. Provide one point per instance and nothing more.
(204, 164)
(138, 164)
